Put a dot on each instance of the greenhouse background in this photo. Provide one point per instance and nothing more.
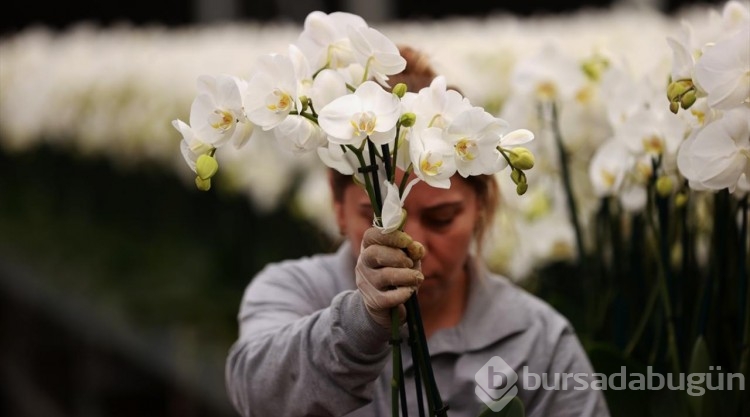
(120, 281)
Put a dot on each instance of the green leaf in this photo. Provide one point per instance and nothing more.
(514, 408)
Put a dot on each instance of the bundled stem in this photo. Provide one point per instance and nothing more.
(418, 340)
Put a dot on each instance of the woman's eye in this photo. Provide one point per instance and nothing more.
(367, 214)
(439, 221)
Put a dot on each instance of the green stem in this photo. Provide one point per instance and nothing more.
(396, 381)
(650, 303)
(567, 183)
(367, 69)
(405, 179)
(745, 354)
(439, 408)
(420, 362)
(415, 363)
(662, 284)
(368, 182)
(311, 117)
(394, 160)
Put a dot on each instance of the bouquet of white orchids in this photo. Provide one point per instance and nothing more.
(330, 95)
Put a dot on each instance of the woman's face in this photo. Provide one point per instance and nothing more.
(443, 220)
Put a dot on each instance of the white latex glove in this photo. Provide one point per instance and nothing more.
(388, 272)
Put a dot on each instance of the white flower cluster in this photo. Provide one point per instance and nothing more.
(711, 76)
(330, 68)
(711, 79)
(112, 92)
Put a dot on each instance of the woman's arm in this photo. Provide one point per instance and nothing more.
(294, 358)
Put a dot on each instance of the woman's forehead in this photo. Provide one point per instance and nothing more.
(422, 194)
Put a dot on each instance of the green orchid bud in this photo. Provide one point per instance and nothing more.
(521, 188)
(408, 119)
(203, 185)
(676, 89)
(595, 66)
(206, 166)
(664, 186)
(674, 107)
(680, 199)
(687, 99)
(516, 175)
(305, 103)
(399, 90)
(521, 158)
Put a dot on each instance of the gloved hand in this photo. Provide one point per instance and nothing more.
(388, 272)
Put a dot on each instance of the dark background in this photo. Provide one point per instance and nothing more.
(181, 12)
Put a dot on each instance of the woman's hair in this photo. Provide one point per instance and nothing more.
(419, 74)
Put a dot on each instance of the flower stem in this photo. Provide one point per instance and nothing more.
(394, 160)
(565, 173)
(650, 303)
(396, 380)
(744, 290)
(312, 117)
(373, 170)
(374, 200)
(413, 344)
(662, 261)
(434, 401)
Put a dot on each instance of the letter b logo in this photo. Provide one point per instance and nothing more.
(496, 383)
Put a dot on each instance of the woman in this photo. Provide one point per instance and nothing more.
(314, 332)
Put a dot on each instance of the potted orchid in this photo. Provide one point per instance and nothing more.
(330, 95)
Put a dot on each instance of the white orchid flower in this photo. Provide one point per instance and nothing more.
(377, 54)
(392, 215)
(369, 112)
(302, 71)
(682, 60)
(333, 156)
(685, 162)
(718, 155)
(549, 74)
(633, 197)
(325, 39)
(327, 86)
(217, 115)
(272, 91)
(723, 72)
(652, 131)
(299, 134)
(743, 185)
(436, 105)
(432, 157)
(625, 94)
(475, 135)
(516, 138)
(190, 146)
(609, 166)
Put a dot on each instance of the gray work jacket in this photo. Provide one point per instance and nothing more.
(307, 347)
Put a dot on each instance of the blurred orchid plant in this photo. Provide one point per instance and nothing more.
(330, 94)
(652, 172)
